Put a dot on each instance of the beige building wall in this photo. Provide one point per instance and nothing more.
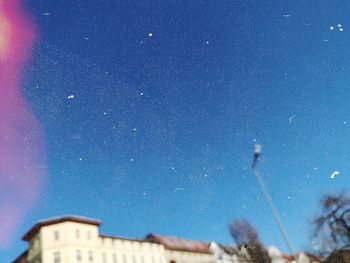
(64, 241)
(34, 253)
(77, 240)
(118, 250)
(72, 242)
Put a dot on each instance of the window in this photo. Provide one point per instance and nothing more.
(142, 259)
(56, 235)
(133, 259)
(77, 233)
(115, 258)
(88, 235)
(78, 255)
(91, 256)
(104, 257)
(57, 257)
(153, 259)
(124, 258)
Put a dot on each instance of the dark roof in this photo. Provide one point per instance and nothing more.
(123, 238)
(20, 257)
(288, 257)
(174, 243)
(314, 257)
(78, 219)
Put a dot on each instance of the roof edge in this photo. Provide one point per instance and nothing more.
(22, 255)
(56, 220)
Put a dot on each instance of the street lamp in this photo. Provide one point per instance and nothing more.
(257, 152)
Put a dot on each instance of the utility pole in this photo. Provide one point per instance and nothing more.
(257, 152)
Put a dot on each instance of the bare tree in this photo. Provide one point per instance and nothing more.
(245, 235)
(332, 226)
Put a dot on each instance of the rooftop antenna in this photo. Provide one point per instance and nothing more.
(257, 153)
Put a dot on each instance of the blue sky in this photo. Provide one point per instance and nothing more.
(169, 98)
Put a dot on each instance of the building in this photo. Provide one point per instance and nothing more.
(183, 251)
(228, 254)
(71, 239)
(74, 239)
(277, 257)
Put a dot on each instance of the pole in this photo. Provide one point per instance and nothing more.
(272, 206)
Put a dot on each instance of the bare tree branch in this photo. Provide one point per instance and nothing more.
(332, 226)
(245, 235)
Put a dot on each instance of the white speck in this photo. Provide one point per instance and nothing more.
(86, 38)
(80, 159)
(150, 34)
(143, 194)
(291, 118)
(131, 160)
(71, 97)
(114, 127)
(46, 14)
(179, 189)
(286, 15)
(334, 174)
(341, 29)
(339, 25)
(206, 175)
(207, 42)
(134, 129)
(344, 122)
(331, 28)
(105, 113)
(173, 168)
(141, 93)
(315, 168)
(325, 40)
(307, 176)
(254, 140)
(288, 197)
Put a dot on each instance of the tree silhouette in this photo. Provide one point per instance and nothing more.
(332, 226)
(245, 235)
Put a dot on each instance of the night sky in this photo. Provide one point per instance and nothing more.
(151, 110)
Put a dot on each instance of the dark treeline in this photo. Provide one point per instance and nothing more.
(330, 230)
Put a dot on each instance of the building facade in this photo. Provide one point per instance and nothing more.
(72, 239)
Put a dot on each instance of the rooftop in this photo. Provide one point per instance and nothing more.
(174, 243)
(51, 221)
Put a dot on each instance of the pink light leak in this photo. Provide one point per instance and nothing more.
(22, 150)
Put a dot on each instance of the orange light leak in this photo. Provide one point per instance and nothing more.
(22, 150)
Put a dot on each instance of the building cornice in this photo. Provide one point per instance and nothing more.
(52, 221)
